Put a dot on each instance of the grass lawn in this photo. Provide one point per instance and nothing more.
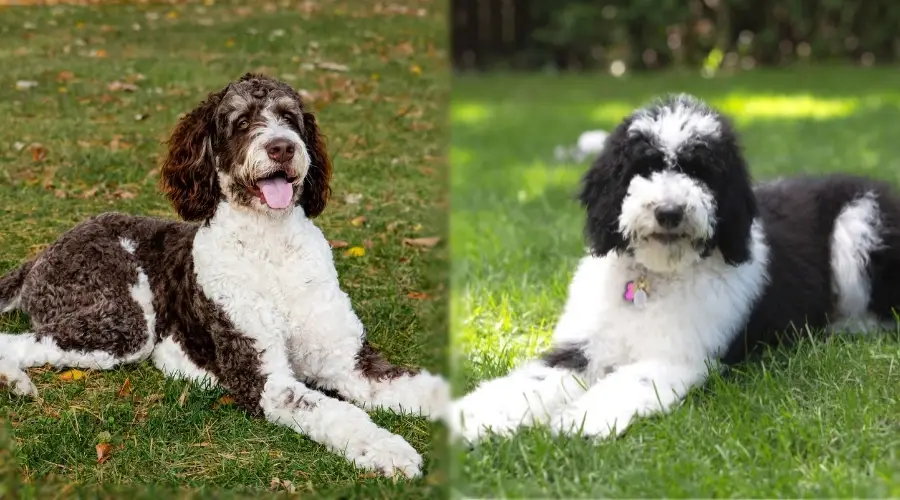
(820, 422)
(111, 83)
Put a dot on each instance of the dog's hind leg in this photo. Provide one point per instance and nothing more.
(108, 331)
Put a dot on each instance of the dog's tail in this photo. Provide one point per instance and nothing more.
(11, 287)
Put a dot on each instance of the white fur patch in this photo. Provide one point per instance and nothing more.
(855, 236)
(674, 126)
(129, 245)
(142, 294)
(638, 220)
(171, 359)
(258, 162)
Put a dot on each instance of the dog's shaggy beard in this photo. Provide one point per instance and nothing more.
(659, 249)
(254, 164)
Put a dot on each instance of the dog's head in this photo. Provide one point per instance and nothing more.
(670, 187)
(253, 144)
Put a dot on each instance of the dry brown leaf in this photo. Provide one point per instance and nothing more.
(71, 375)
(125, 195)
(422, 242)
(103, 452)
(338, 243)
(368, 244)
(38, 151)
(59, 193)
(65, 76)
(90, 193)
(117, 86)
(125, 390)
(418, 295)
(225, 400)
(404, 49)
(358, 221)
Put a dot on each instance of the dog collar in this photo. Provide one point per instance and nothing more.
(637, 291)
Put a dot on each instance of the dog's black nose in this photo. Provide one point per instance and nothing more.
(669, 216)
(280, 150)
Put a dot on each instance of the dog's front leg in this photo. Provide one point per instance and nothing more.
(333, 353)
(261, 380)
(526, 396)
(638, 389)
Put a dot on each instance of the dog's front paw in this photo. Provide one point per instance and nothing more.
(589, 423)
(389, 455)
(471, 422)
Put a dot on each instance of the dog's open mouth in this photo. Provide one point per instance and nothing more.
(667, 238)
(276, 190)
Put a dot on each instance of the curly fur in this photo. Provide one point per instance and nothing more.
(248, 299)
(730, 268)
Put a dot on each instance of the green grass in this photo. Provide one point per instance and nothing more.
(821, 421)
(74, 146)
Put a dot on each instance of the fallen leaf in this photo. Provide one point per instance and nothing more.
(331, 66)
(65, 76)
(404, 48)
(422, 242)
(38, 151)
(26, 84)
(125, 390)
(72, 374)
(124, 195)
(59, 193)
(368, 244)
(353, 198)
(338, 243)
(103, 452)
(223, 401)
(99, 53)
(116, 86)
(393, 225)
(418, 295)
(90, 193)
(358, 221)
(355, 252)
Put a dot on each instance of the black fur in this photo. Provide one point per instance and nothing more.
(798, 217)
(718, 163)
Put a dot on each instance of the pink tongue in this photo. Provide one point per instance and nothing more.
(277, 192)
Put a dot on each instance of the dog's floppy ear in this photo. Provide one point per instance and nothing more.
(736, 203)
(188, 172)
(317, 184)
(603, 189)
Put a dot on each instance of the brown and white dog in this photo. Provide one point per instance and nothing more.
(245, 296)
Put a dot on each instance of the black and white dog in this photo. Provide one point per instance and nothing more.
(691, 265)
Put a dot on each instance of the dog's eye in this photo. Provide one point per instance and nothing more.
(287, 115)
(243, 124)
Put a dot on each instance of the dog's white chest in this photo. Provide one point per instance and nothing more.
(266, 278)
